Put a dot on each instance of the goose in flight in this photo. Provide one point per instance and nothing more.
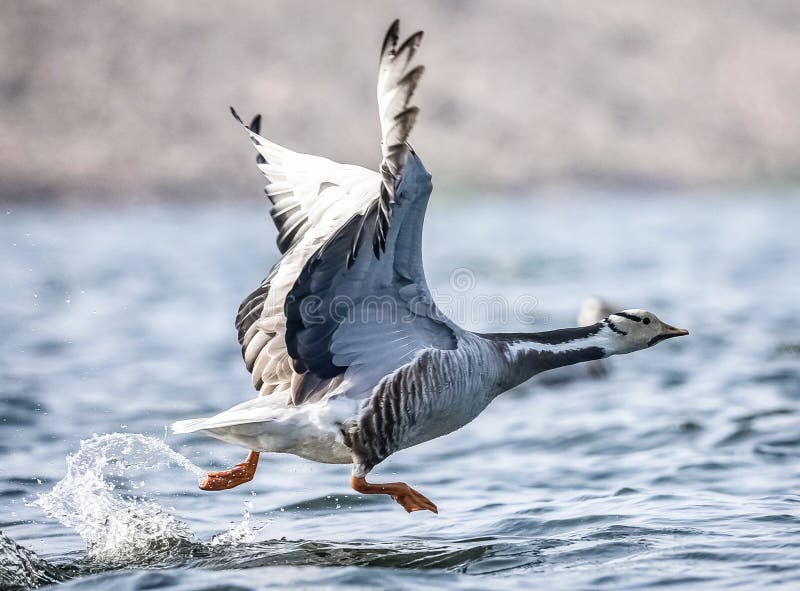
(351, 357)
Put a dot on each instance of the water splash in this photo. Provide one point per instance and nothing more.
(117, 528)
(244, 532)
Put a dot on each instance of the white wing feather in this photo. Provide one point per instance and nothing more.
(312, 198)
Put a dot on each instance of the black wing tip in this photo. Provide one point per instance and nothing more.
(391, 38)
(412, 111)
(411, 43)
(413, 75)
(255, 127)
(255, 124)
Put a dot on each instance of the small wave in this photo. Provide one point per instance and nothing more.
(473, 558)
(117, 528)
(21, 568)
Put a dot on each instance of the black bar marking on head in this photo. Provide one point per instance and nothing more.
(629, 316)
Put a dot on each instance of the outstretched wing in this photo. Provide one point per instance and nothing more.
(361, 307)
(311, 197)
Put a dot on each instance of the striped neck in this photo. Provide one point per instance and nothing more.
(526, 354)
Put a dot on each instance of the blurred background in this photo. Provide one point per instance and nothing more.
(644, 152)
(128, 101)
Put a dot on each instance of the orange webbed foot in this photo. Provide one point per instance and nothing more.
(408, 498)
(233, 477)
(415, 501)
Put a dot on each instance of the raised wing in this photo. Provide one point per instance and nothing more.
(296, 184)
(397, 81)
(356, 313)
(312, 197)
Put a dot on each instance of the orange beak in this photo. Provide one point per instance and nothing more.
(675, 332)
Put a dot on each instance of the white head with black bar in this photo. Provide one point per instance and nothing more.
(634, 330)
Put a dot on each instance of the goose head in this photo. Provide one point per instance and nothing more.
(633, 330)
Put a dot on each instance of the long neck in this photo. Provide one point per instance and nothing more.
(526, 354)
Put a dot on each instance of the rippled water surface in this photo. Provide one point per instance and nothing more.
(679, 468)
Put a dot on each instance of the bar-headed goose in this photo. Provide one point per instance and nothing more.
(352, 359)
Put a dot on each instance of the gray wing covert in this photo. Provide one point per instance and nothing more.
(365, 315)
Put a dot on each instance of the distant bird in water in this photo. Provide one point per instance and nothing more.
(593, 310)
(352, 359)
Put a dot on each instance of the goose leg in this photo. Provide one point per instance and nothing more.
(408, 498)
(235, 476)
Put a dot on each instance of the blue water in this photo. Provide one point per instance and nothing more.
(680, 468)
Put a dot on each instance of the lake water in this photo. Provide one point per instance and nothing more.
(680, 468)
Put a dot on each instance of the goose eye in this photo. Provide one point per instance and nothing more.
(646, 321)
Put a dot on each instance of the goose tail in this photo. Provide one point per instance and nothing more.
(258, 410)
(189, 425)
